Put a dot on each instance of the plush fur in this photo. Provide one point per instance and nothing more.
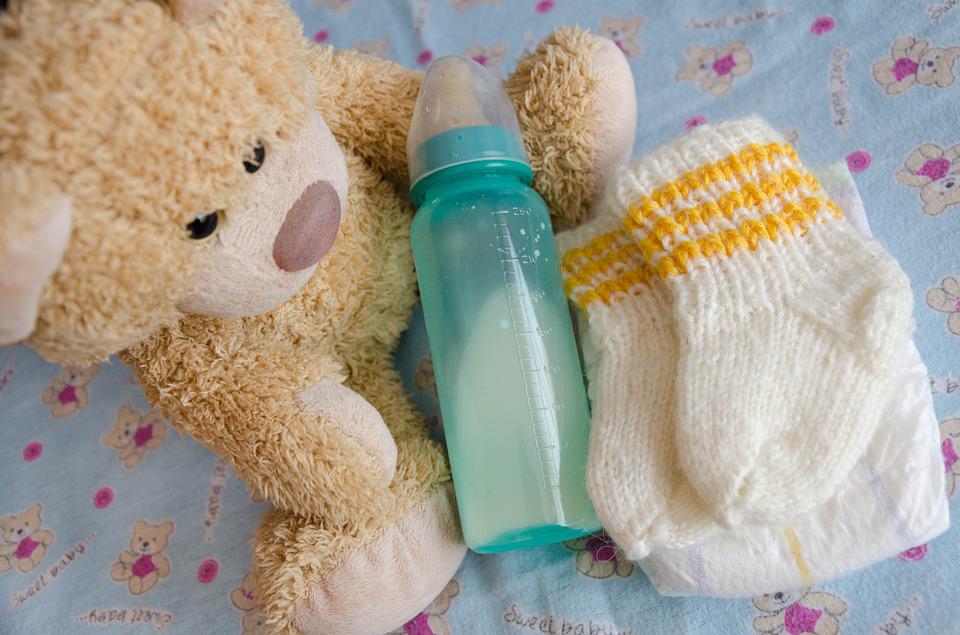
(131, 117)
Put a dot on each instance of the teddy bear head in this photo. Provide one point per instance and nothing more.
(123, 432)
(940, 194)
(935, 66)
(620, 28)
(158, 158)
(776, 602)
(698, 63)
(78, 376)
(150, 539)
(16, 527)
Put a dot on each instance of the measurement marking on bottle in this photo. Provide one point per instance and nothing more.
(541, 407)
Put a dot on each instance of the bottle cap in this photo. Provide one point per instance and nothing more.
(462, 116)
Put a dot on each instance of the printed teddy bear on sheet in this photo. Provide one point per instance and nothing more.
(491, 57)
(797, 612)
(937, 173)
(24, 542)
(143, 564)
(132, 434)
(914, 61)
(429, 622)
(623, 31)
(946, 299)
(67, 393)
(242, 598)
(950, 447)
(713, 70)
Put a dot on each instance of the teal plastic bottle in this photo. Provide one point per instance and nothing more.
(515, 410)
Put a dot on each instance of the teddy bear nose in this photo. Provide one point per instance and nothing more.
(145, 544)
(309, 229)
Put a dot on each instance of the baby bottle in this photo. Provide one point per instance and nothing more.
(515, 411)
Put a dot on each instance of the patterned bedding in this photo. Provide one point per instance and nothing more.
(86, 465)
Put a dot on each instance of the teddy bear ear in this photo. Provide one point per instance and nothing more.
(191, 12)
(30, 251)
(34, 510)
(167, 527)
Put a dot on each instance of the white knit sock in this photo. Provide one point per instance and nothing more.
(641, 496)
(788, 321)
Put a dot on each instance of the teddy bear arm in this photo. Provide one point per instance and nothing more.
(241, 401)
(127, 557)
(163, 565)
(368, 104)
(829, 603)
(576, 105)
(908, 178)
(43, 536)
(6, 550)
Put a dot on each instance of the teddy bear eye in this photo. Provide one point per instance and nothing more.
(929, 63)
(259, 154)
(203, 225)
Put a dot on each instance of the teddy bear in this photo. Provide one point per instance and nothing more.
(132, 434)
(937, 173)
(796, 612)
(914, 61)
(946, 299)
(713, 70)
(143, 564)
(949, 446)
(225, 206)
(24, 541)
(623, 32)
(67, 393)
(242, 598)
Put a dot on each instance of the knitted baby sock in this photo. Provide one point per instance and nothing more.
(641, 496)
(789, 322)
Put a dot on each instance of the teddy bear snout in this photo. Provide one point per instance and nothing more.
(309, 229)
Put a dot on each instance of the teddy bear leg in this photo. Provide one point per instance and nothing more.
(349, 584)
(38, 555)
(6, 563)
(577, 109)
(136, 585)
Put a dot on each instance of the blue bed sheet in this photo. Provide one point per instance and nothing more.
(814, 74)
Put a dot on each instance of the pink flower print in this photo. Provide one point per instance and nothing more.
(799, 619)
(823, 24)
(693, 122)
(946, 446)
(207, 571)
(724, 65)
(602, 548)
(321, 36)
(32, 451)
(904, 67)
(858, 161)
(598, 557)
(916, 553)
(103, 497)
(934, 169)
(544, 6)
(426, 55)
